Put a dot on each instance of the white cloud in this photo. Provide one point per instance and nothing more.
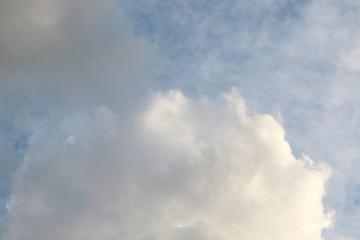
(301, 57)
(182, 169)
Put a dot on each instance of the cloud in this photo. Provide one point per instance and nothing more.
(181, 169)
(70, 51)
(60, 57)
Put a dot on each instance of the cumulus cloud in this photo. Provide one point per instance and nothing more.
(182, 169)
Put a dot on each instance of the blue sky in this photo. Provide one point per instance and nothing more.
(101, 100)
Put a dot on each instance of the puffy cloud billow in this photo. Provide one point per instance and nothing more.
(181, 170)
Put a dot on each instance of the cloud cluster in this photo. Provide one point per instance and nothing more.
(182, 169)
(173, 168)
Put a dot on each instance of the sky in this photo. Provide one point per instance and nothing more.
(179, 120)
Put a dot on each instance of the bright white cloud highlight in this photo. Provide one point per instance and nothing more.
(182, 170)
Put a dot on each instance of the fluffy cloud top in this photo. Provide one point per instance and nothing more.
(182, 170)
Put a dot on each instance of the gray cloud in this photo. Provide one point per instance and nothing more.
(58, 60)
(70, 50)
